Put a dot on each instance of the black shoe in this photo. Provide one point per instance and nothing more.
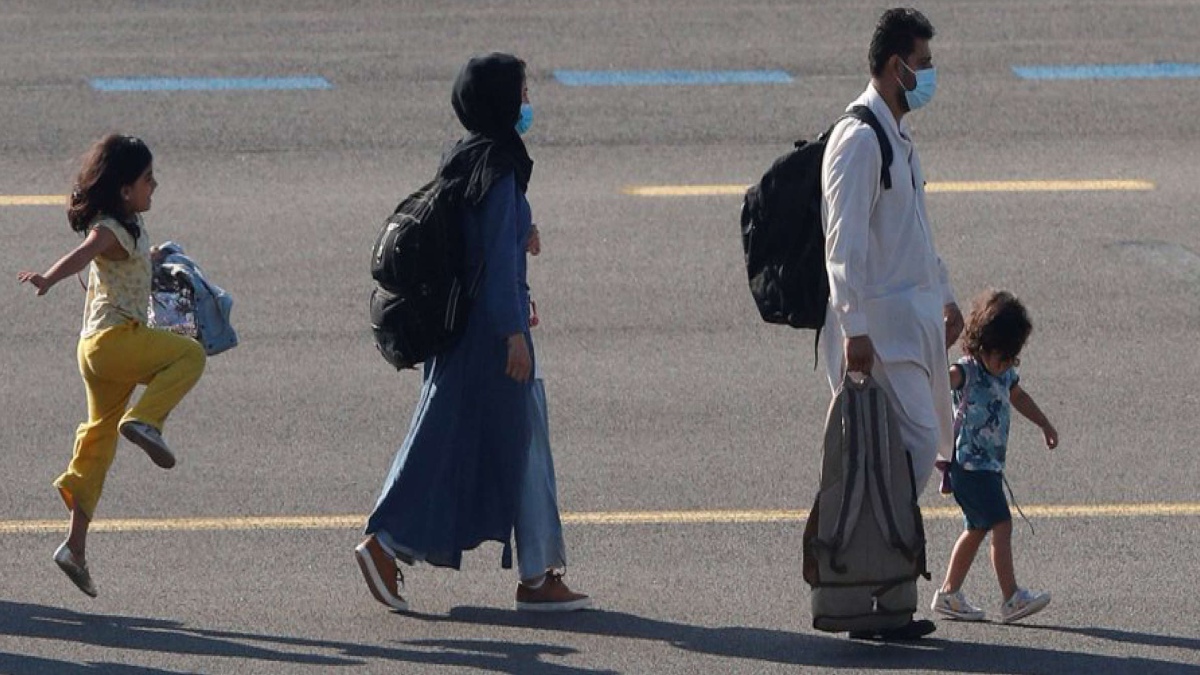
(913, 630)
(149, 439)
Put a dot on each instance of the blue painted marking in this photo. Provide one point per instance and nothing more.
(1134, 71)
(634, 78)
(208, 83)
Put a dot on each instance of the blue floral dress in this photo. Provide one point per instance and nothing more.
(983, 419)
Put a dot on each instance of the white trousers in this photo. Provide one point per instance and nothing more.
(911, 366)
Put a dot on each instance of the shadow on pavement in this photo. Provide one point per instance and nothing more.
(753, 644)
(814, 649)
(491, 656)
(173, 637)
(484, 655)
(124, 632)
(1114, 635)
(19, 664)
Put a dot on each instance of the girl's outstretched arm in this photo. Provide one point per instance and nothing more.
(99, 241)
(1024, 404)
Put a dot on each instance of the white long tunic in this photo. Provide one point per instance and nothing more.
(886, 280)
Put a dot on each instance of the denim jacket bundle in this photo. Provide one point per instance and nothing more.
(183, 301)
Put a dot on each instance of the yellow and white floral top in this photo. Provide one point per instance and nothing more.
(118, 291)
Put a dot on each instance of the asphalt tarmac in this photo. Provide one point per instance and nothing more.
(686, 431)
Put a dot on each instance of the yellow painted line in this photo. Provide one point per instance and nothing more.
(948, 186)
(685, 190)
(1040, 186)
(682, 517)
(33, 200)
(335, 522)
(191, 524)
(937, 512)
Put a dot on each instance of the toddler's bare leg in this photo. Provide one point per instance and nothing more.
(960, 560)
(1002, 558)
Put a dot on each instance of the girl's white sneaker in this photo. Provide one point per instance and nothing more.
(1023, 603)
(956, 606)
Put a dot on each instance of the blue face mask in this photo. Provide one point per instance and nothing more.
(926, 87)
(526, 119)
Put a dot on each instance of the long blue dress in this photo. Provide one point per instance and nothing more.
(455, 481)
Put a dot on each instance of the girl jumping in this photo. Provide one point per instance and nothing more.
(117, 350)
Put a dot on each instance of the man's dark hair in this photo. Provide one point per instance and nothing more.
(896, 33)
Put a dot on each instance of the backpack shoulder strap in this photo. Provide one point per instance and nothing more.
(863, 114)
(960, 411)
(880, 449)
(851, 444)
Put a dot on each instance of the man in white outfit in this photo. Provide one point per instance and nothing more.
(891, 312)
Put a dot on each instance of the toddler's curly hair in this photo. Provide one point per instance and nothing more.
(998, 323)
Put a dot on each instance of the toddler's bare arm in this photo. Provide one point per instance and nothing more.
(1025, 405)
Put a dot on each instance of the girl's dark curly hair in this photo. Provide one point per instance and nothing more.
(998, 323)
(109, 165)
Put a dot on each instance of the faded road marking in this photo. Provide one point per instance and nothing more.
(33, 200)
(1111, 71)
(128, 84)
(718, 190)
(642, 78)
(701, 517)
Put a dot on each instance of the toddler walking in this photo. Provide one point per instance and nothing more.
(986, 386)
(117, 350)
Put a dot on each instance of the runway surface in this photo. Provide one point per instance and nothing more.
(686, 432)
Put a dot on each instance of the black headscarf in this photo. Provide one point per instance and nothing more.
(487, 100)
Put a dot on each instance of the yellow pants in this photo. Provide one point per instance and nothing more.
(112, 362)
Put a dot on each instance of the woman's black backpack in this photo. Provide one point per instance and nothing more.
(782, 234)
(419, 305)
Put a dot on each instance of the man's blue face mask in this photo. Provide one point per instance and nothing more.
(926, 87)
(526, 119)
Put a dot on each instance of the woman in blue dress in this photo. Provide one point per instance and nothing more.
(474, 465)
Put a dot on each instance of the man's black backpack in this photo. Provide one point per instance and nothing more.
(419, 305)
(782, 234)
